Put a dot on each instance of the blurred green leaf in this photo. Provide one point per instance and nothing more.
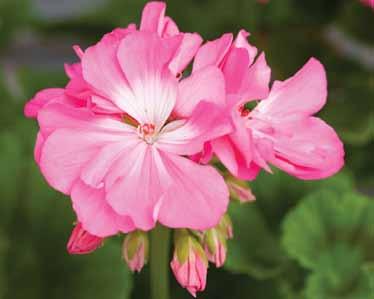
(13, 15)
(327, 218)
(11, 172)
(254, 250)
(340, 275)
(4, 246)
(350, 109)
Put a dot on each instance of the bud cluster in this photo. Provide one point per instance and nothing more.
(193, 250)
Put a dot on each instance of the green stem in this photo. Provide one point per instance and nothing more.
(159, 262)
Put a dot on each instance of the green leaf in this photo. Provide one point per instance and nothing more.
(340, 275)
(254, 250)
(278, 193)
(327, 218)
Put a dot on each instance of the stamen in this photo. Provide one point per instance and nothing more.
(147, 133)
(243, 111)
(147, 129)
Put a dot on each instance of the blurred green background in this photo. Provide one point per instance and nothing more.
(300, 240)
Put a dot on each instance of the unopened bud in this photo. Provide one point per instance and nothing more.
(215, 246)
(189, 263)
(240, 191)
(82, 242)
(135, 250)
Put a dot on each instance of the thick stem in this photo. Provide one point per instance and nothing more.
(159, 262)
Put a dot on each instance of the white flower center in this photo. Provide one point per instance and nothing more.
(148, 133)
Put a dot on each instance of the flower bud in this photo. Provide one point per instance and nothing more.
(215, 246)
(189, 263)
(82, 242)
(135, 250)
(240, 191)
(225, 225)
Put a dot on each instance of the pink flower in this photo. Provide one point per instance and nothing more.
(287, 135)
(121, 177)
(79, 93)
(136, 250)
(82, 242)
(189, 263)
(215, 246)
(281, 130)
(246, 79)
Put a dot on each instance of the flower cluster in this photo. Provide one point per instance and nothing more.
(130, 137)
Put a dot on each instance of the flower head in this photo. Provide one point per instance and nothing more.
(279, 130)
(125, 175)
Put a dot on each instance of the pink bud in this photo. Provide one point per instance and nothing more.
(136, 250)
(215, 246)
(240, 191)
(82, 242)
(189, 263)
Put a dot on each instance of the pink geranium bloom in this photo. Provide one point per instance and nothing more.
(247, 79)
(122, 176)
(281, 130)
(287, 135)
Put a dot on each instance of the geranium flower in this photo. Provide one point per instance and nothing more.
(116, 138)
(281, 129)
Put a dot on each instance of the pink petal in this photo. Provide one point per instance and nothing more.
(191, 201)
(206, 84)
(103, 72)
(58, 116)
(96, 216)
(95, 171)
(302, 95)
(144, 58)
(233, 160)
(38, 147)
(241, 41)
(206, 122)
(170, 28)
(186, 52)
(255, 84)
(67, 151)
(213, 52)
(135, 187)
(241, 138)
(42, 98)
(235, 69)
(153, 17)
(311, 149)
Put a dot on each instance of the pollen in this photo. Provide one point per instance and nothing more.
(243, 111)
(147, 132)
